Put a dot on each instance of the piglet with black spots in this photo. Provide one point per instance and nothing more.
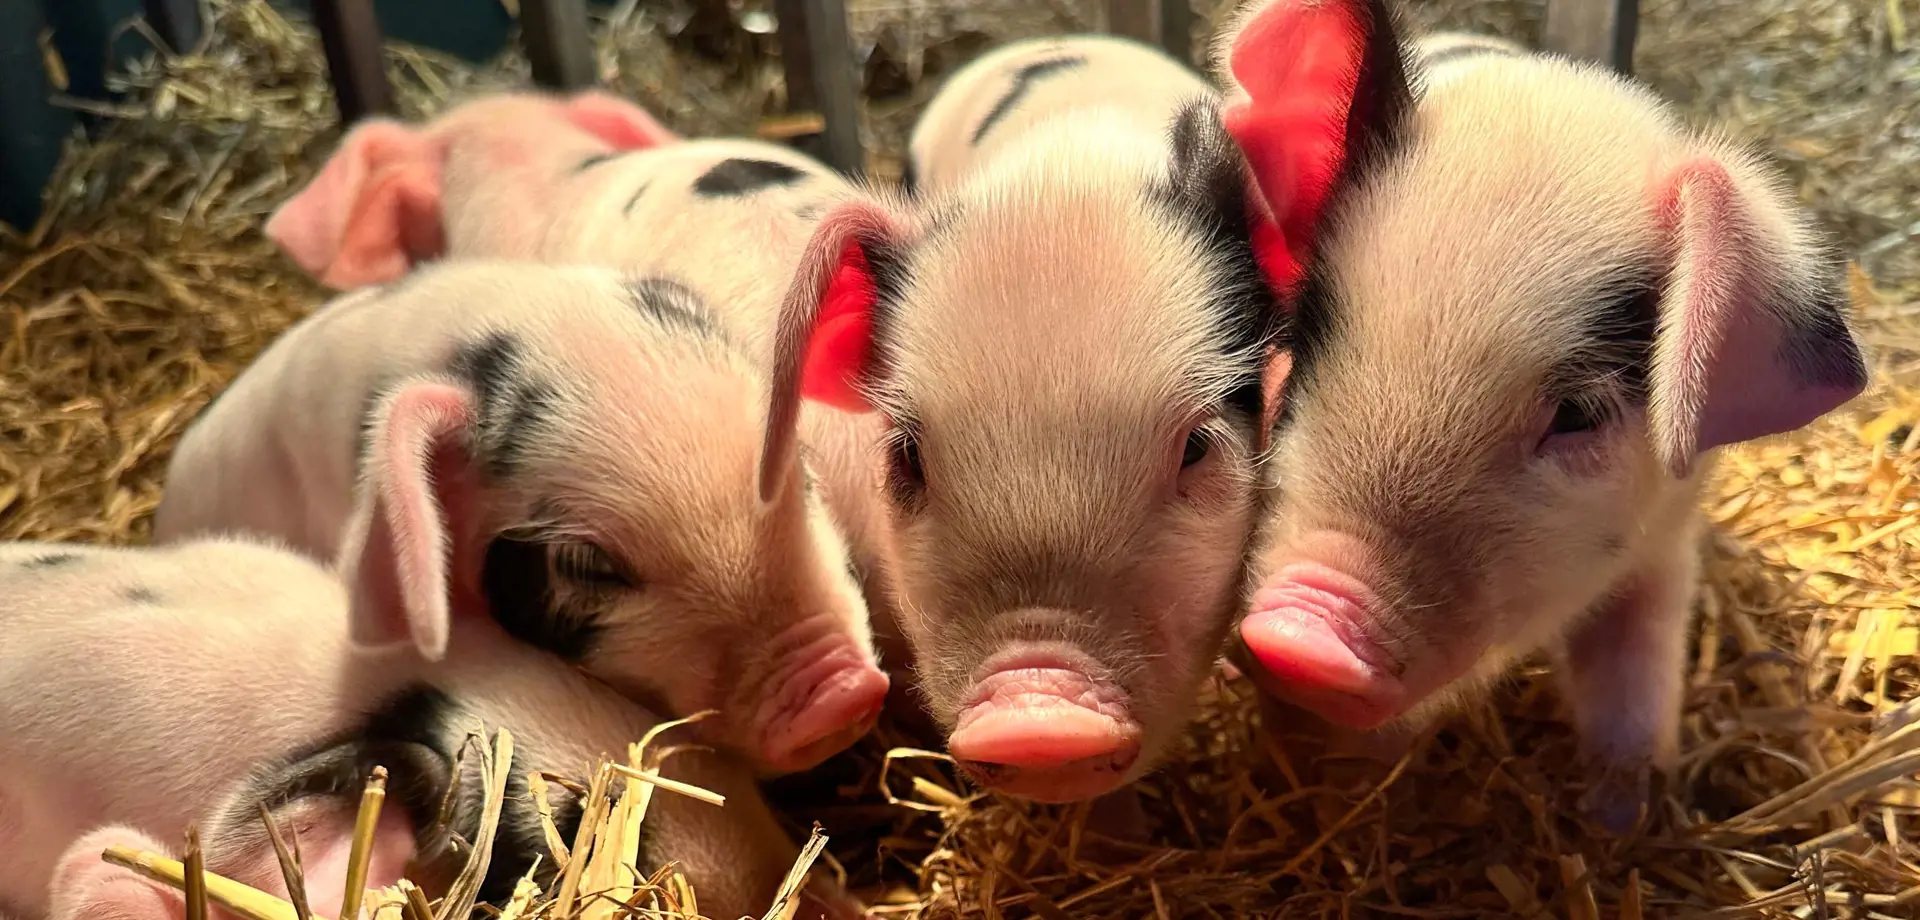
(570, 453)
(144, 691)
(524, 176)
(1537, 306)
(1070, 333)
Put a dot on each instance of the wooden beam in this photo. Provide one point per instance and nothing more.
(557, 43)
(350, 36)
(1602, 31)
(1167, 24)
(816, 50)
(178, 23)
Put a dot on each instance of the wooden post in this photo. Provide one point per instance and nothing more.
(178, 23)
(557, 43)
(816, 50)
(1602, 31)
(350, 36)
(1165, 23)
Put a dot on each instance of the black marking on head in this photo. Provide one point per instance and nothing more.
(743, 176)
(1023, 81)
(517, 580)
(514, 404)
(1466, 50)
(1312, 335)
(627, 210)
(891, 263)
(51, 561)
(141, 595)
(910, 177)
(674, 306)
(1207, 192)
(809, 211)
(1617, 350)
(1382, 98)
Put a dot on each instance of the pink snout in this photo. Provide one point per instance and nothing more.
(1045, 730)
(1307, 630)
(830, 700)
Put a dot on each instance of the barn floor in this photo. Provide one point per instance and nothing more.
(148, 286)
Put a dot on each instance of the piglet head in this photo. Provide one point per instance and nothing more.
(386, 201)
(1058, 530)
(1537, 303)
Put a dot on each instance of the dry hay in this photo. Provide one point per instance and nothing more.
(148, 286)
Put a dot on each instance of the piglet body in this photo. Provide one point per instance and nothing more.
(219, 675)
(575, 454)
(1539, 305)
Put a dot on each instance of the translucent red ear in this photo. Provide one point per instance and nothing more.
(824, 343)
(842, 341)
(1308, 83)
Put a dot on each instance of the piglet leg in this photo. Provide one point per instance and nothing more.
(1623, 677)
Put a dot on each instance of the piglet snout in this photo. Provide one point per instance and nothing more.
(1044, 729)
(830, 695)
(1308, 631)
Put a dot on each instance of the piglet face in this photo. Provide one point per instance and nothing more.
(1073, 406)
(1524, 330)
(639, 545)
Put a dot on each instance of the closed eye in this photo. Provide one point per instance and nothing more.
(587, 563)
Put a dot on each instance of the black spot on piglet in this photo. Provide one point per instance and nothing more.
(1023, 80)
(518, 585)
(739, 176)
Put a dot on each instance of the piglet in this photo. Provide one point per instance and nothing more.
(1538, 305)
(144, 690)
(519, 176)
(1069, 334)
(572, 452)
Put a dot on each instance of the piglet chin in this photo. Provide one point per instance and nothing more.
(824, 707)
(1305, 631)
(1047, 732)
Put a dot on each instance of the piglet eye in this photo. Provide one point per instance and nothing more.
(906, 475)
(585, 562)
(1198, 444)
(1572, 417)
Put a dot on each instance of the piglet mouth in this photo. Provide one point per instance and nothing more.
(1307, 630)
(1043, 727)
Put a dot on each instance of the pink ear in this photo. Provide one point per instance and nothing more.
(1754, 340)
(825, 335)
(371, 213)
(416, 490)
(618, 122)
(1273, 378)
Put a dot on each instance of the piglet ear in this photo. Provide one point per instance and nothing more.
(1753, 336)
(823, 349)
(416, 485)
(371, 213)
(1316, 91)
(618, 122)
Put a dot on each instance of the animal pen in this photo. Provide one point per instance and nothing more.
(146, 285)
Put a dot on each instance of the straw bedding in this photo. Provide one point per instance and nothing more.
(148, 286)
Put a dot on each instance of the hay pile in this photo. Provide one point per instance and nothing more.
(148, 287)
